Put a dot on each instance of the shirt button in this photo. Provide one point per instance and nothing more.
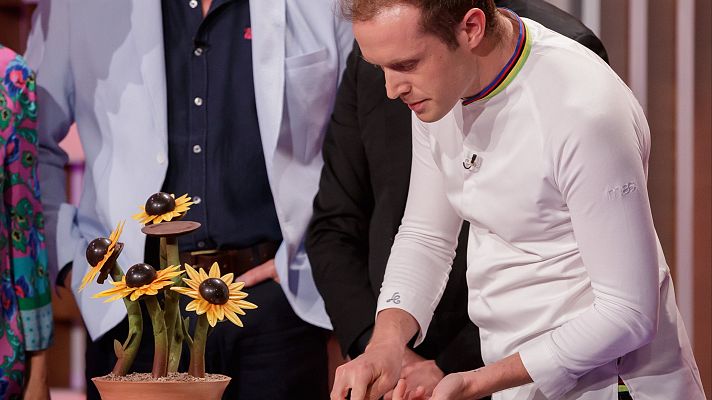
(198, 101)
(197, 149)
(197, 200)
(193, 3)
(160, 158)
(201, 244)
(198, 52)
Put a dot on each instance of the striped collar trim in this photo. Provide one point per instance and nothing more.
(510, 70)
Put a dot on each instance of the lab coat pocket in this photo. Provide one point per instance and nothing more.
(310, 88)
(306, 60)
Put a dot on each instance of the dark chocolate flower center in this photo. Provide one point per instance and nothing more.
(160, 203)
(97, 250)
(139, 275)
(214, 291)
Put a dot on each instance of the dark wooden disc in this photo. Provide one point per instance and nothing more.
(170, 228)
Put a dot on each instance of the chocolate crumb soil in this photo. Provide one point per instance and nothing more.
(172, 377)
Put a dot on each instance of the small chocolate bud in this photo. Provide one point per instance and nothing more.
(160, 203)
(139, 275)
(214, 291)
(97, 250)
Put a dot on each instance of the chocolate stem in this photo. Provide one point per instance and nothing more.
(160, 355)
(170, 256)
(130, 347)
(197, 351)
(162, 253)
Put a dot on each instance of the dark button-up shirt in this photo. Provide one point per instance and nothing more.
(214, 144)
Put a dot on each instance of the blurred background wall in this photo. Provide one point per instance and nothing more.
(663, 50)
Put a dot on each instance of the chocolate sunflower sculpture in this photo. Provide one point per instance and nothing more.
(163, 207)
(141, 279)
(160, 216)
(215, 297)
(101, 255)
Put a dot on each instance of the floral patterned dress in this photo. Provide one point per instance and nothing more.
(25, 295)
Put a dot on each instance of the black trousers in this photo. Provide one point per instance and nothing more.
(275, 356)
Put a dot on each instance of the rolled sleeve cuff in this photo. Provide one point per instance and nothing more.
(410, 302)
(550, 378)
(38, 328)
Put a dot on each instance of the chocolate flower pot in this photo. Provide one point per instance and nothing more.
(161, 389)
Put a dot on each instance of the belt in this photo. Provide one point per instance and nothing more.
(236, 261)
